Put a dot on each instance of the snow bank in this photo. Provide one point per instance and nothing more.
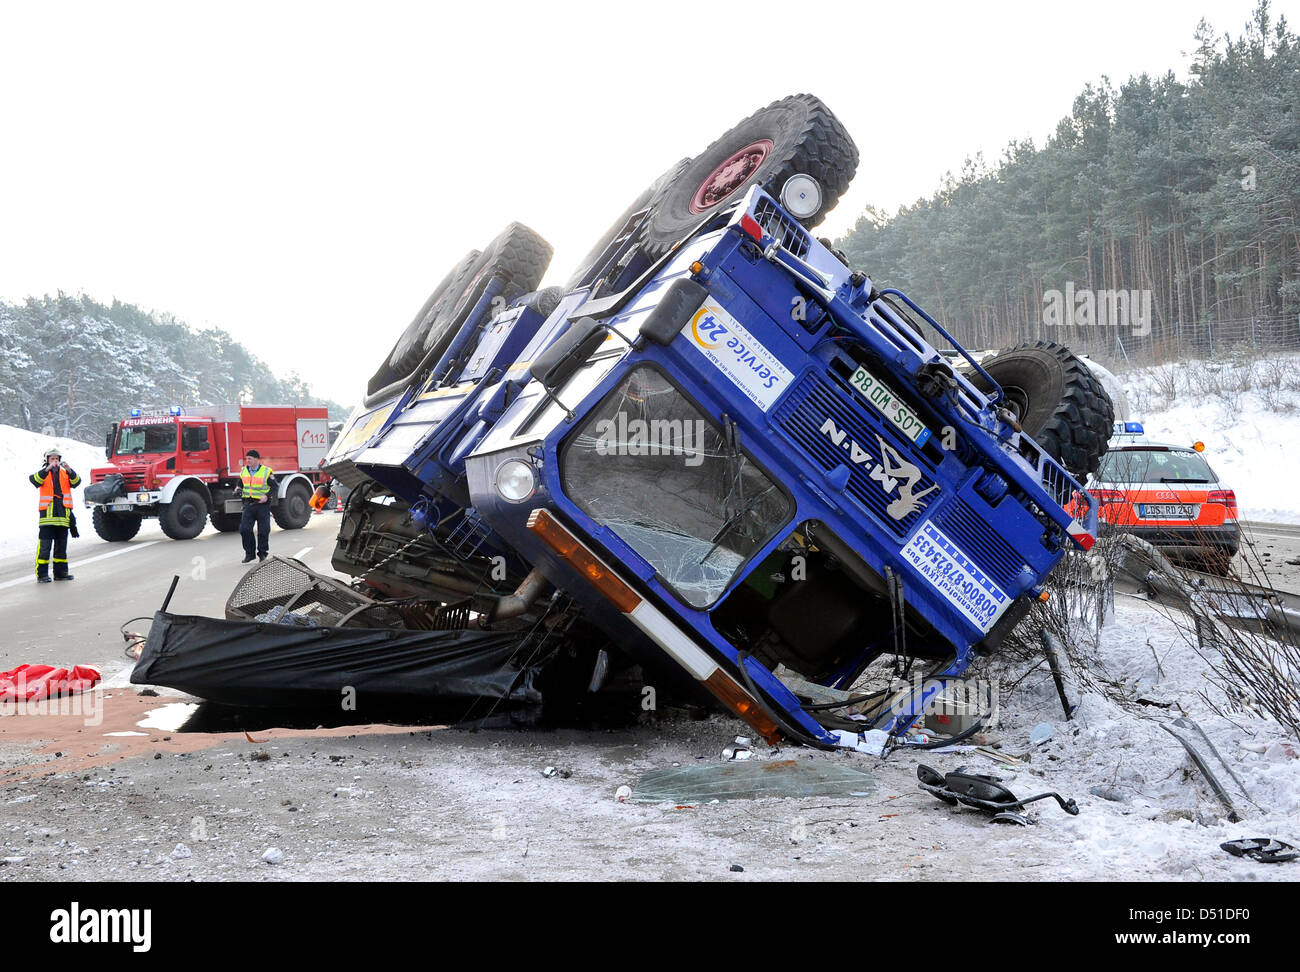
(1248, 415)
(1146, 812)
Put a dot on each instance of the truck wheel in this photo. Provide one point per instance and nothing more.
(1057, 400)
(795, 134)
(293, 511)
(517, 254)
(409, 349)
(648, 199)
(224, 522)
(184, 516)
(545, 301)
(115, 527)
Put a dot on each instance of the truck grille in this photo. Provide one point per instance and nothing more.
(982, 543)
(788, 233)
(804, 416)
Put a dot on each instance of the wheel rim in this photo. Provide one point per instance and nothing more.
(187, 515)
(1016, 400)
(731, 174)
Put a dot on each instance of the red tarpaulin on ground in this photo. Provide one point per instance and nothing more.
(32, 682)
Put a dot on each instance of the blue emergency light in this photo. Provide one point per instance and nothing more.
(1134, 427)
(135, 413)
(176, 410)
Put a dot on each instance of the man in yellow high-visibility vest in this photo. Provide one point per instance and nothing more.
(256, 483)
(56, 480)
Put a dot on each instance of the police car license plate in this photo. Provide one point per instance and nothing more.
(1166, 511)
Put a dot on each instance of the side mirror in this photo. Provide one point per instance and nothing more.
(109, 439)
(558, 363)
(673, 311)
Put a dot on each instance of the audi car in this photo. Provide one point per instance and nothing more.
(1169, 496)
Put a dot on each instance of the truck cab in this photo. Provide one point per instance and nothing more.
(762, 465)
(744, 458)
(149, 451)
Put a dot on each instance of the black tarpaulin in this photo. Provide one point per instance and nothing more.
(252, 663)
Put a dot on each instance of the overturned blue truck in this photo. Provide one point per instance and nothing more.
(717, 452)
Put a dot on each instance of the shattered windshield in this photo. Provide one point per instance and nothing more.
(650, 466)
(146, 438)
(1154, 466)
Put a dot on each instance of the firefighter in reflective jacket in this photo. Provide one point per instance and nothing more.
(56, 480)
(256, 485)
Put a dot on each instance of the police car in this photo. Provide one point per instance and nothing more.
(1169, 496)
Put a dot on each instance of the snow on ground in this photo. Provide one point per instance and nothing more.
(1246, 412)
(1145, 810)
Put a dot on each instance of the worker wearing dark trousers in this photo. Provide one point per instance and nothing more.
(256, 483)
(56, 480)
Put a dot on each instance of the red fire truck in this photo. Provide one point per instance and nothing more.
(182, 465)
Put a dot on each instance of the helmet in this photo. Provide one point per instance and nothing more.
(53, 451)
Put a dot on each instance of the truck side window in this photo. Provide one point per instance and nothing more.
(194, 438)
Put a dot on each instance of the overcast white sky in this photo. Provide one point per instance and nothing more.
(302, 174)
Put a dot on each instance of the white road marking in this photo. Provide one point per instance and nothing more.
(89, 560)
(303, 553)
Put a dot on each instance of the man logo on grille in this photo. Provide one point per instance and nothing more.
(892, 471)
(908, 475)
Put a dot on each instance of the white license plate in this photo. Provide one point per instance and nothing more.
(885, 401)
(121, 507)
(1167, 511)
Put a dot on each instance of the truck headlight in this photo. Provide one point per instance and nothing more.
(515, 480)
(801, 196)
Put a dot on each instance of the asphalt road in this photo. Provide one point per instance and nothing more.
(1271, 550)
(76, 623)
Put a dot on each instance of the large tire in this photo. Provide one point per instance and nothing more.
(795, 134)
(1059, 403)
(545, 301)
(293, 512)
(648, 199)
(518, 255)
(115, 527)
(224, 522)
(184, 517)
(409, 349)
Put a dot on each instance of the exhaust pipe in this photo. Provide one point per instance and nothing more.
(520, 601)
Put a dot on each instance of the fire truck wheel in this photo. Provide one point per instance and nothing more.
(183, 518)
(293, 511)
(798, 134)
(409, 349)
(1060, 404)
(224, 522)
(115, 527)
(647, 200)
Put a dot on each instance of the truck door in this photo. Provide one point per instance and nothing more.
(198, 456)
